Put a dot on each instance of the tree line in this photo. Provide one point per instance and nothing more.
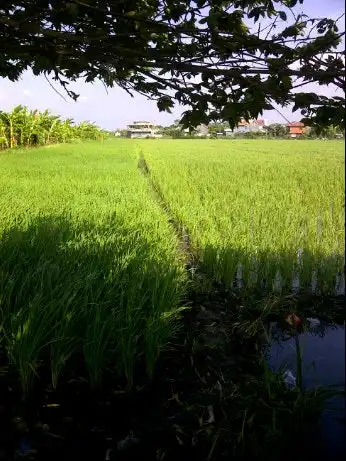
(274, 130)
(23, 127)
(218, 59)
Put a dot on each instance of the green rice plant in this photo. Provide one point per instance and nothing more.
(162, 321)
(27, 334)
(263, 201)
(283, 410)
(313, 401)
(65, 343)
(98, 342)
(129, 330)
(81, 233)
(299, 362)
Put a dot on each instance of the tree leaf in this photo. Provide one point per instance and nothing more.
(282, 15)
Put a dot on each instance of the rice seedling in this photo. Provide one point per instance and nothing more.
(99, 342)
(27, 333)
(93, 271)
(88, 263)
(65, 343)
(275, 208)
(83, 237)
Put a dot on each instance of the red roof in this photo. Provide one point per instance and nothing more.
(296, 124)
(245, 123)
(296, 130)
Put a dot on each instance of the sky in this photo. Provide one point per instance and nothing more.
(114, 108)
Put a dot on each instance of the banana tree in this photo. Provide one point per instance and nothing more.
(87, 130)
(4, 140)
(16, 126)
(25, 128)
(7, 121)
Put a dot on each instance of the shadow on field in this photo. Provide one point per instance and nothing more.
(84, 303)
(102, 290)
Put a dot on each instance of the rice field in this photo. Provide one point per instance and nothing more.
(97, 358)
(89, 267)
(92, 275)
(264, 212)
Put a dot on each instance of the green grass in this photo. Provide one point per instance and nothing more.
(88, 262)
(257, 203)
(91, 268)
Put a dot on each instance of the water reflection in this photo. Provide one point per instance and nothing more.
(323, 363)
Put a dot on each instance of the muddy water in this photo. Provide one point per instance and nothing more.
(323, 355)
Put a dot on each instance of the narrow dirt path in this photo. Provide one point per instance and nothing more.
(181, 231)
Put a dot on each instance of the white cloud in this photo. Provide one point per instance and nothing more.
(27, 93)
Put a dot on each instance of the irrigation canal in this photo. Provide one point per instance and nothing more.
(323, 363)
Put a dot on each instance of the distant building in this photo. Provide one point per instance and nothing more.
(202, 130)
(247, 127)
(142, 130)
(296, 129)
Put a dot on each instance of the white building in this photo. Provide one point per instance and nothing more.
(200, 130)
(142, 130)
(247, 127)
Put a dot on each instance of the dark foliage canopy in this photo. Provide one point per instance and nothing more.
(222, 59)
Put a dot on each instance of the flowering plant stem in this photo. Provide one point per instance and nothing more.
(299, 361)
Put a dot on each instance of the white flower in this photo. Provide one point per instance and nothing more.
(289, 379)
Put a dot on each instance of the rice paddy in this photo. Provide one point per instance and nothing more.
(264, 212)
(89, 263)
(109, 339)
(86, 247)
